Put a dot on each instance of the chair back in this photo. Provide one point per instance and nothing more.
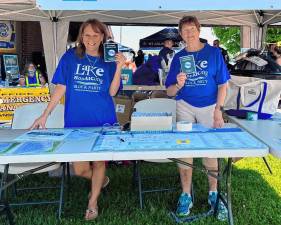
(25, 115)
(157, 105)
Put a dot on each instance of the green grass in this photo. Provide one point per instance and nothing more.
(256, 198)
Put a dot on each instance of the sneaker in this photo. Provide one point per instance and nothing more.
(222, 210)
(212, 198)
(184, 205)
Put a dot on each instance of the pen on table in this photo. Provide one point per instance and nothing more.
(121, 139)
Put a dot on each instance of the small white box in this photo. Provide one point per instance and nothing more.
(161, 121)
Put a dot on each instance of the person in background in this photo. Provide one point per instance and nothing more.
(167, 50)
(277, 54)
(31, 75)
(216, 43)
(88, 100)
(134, 55)
(271, 50)
(200, 96)
(139, 60)
(21, 81)
(43, 80)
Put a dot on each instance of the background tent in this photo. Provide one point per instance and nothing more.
(55, 23)
(157, 39)
(123, 48)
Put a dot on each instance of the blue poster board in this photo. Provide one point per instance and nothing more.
(11, 67)
(7, 36)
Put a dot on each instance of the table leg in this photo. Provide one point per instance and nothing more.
(4, 204)
(228, 188)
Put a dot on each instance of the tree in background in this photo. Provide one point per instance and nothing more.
(229, 37)
(273, 35)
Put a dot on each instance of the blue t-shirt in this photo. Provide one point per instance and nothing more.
(87, 80)
(201, 87)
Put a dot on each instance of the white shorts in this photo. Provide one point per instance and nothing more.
(204, 116)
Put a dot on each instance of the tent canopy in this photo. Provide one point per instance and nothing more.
(26, 10)
(55, 23)
(157, 39)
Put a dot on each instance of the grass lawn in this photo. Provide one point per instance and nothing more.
(256, 198)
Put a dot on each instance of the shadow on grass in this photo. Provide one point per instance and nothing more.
(254, 200)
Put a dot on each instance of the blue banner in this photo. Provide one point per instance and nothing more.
(7, 36)
(158, 5)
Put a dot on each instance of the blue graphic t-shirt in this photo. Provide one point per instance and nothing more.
(87, 80)
(201, 86)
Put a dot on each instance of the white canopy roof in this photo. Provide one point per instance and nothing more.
(55, 23)
(26, 10)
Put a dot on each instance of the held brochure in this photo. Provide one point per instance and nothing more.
(188, 64)
(110, 50)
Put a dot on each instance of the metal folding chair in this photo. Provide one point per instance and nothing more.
(23, 119)
(152, 105)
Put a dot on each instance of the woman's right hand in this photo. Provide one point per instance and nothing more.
(40, 122)
(181, 78)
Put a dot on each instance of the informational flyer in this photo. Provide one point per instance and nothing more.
(48, 134)
(28, 147)
(6, 146)
(35, 147)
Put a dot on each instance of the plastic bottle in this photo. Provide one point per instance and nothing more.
(6, 83)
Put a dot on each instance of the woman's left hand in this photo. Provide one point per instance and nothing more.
(218, 119)
(120, 59)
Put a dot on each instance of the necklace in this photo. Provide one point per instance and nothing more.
(92, 63)
(194, 54)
